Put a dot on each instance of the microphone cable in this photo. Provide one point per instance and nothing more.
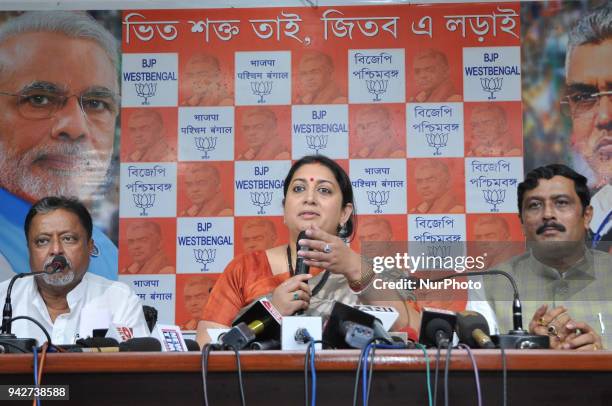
(239, 372)
(504, 376)
(437, 370)
(369, 365)
(424, 349)
(36, 400)
(204, 366)
(449, 348)
(357, 372)
(309, 362)
(475, 368)
(306, 338)
(368, 351)
(41, 366)
(44, 330)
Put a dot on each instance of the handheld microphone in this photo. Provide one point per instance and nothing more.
(300, 267)
(473, 330)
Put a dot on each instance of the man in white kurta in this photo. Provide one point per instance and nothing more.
(71, 302)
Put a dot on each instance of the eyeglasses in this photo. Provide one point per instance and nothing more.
(98, 106)
(582, 104)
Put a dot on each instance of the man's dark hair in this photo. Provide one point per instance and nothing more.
(52, 203)
(547, 172)
(343, 181)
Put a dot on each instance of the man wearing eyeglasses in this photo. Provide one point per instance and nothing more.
(58, 107)
(589, 101)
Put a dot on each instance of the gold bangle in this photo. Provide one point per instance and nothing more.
(364, 280)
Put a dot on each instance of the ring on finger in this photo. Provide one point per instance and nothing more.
(327, 248)
(296, 296)
(542, 322)
(552, 330)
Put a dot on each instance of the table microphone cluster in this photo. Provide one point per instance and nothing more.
(106, 344)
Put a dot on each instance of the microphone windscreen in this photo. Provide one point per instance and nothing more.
(192, 345)
(140, 344)
(434, 321)
(60, 260)
(436, 325)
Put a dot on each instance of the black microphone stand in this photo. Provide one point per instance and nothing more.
(517, 338)
(9, 341)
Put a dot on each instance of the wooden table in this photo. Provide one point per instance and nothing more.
(276, 378)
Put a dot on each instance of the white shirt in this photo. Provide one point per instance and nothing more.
(94, 303)
(477, 302)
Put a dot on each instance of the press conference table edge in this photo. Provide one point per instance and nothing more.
(326, 360)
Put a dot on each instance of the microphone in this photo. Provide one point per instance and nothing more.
(437, 327)
(386, 314)
(517, 308)
(517, 337)
(104, 344)
(265, 345)
(140, 344)
(352, 328)
(57, 263)
(356, 335)
(259, 321)
(192, 345)
(473, 330)
(95, 344)
(300, 267)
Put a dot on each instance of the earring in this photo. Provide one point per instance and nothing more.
(342, 231)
